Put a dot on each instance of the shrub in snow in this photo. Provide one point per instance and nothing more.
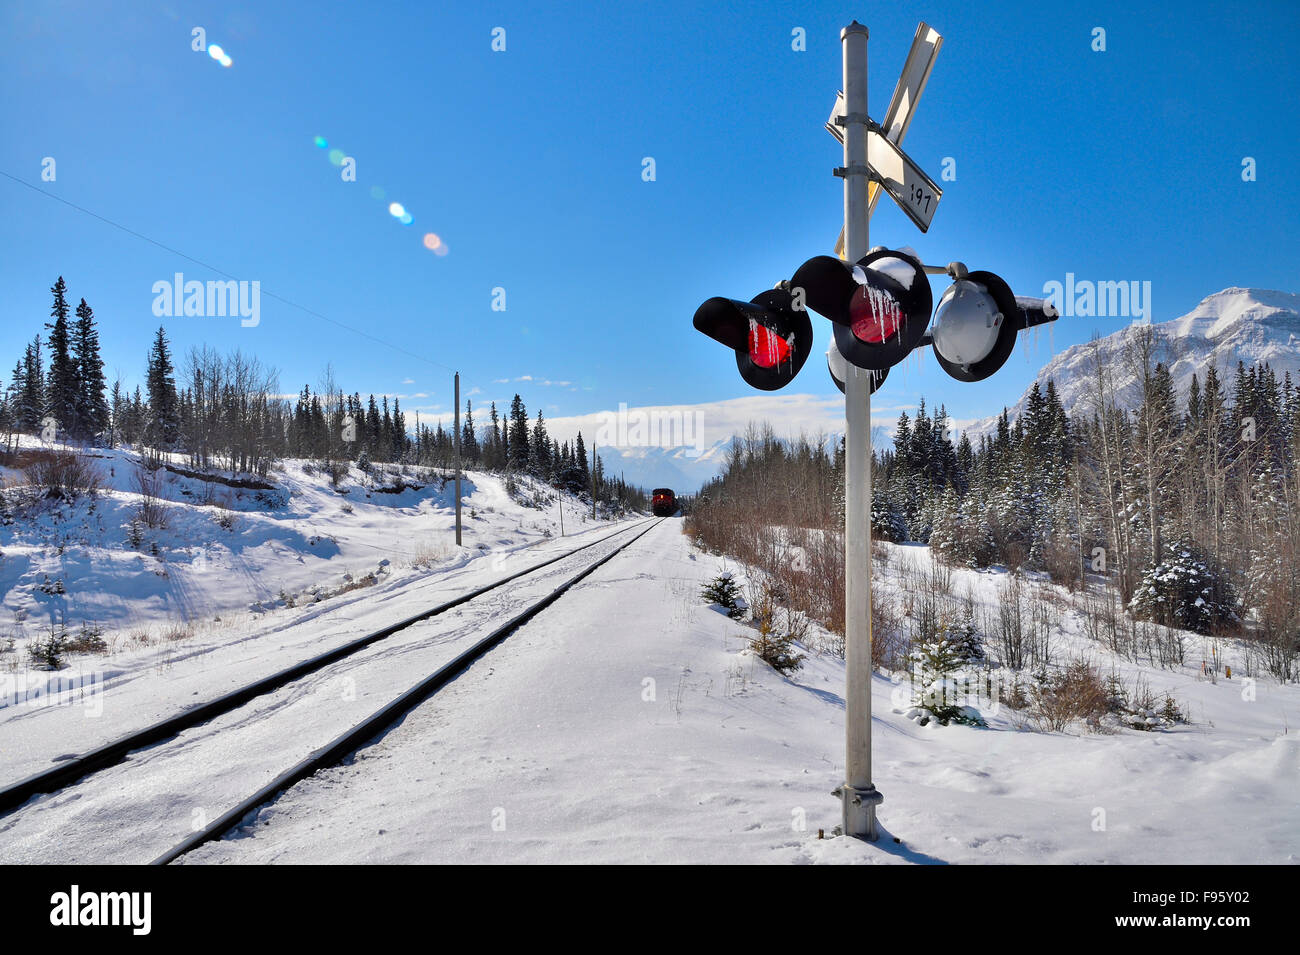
(940, 680)
(1183, 591)
(725, 592)
(966, 640)
(1141, 709)
(1076, 692)
(778, 629)
(51, 587)
(61, 474)
(46, 653)
(89, 640)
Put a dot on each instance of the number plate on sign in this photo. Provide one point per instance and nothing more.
(913, 190)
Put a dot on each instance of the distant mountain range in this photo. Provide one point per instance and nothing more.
(1237, 324)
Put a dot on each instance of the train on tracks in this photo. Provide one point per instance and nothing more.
(663, 502)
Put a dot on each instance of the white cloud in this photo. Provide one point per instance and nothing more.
(790, 415)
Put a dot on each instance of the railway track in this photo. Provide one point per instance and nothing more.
(289, 690)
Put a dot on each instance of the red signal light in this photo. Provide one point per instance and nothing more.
(767, 349)
(875, 316)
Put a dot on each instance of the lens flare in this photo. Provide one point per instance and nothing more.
(225, 61)
(406, 218)
(377, 192)
(336, 157)
(396, 210)
(321, 142)
(216, 52)
(431, 241)
(441, 250)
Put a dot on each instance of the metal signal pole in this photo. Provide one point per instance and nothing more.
(457, 446)
(858, 795)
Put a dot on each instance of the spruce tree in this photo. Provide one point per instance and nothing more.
(469, 450)
(14, 396)
(518, 451)
(31, 406)
(539, 462)
(373, 425)
(61, 388)
(493, 458)
(580, 463)
(164, 407)
(399, 431)
(92, 413)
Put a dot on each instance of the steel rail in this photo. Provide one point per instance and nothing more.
(353, 739)
(112, 753)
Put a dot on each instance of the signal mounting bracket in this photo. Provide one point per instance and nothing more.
(856, 169)
(847, 119)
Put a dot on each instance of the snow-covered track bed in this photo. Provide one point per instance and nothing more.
(128, 799)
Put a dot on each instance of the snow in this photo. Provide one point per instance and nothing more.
(629, 723)
(206, 614)
(900, 270)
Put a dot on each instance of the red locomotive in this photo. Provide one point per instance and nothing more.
(663, 502)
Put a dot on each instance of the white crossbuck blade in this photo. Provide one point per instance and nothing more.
(914, 191)
(902, 107)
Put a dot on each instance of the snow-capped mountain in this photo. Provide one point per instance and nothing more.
(683, 468)
(1237, 324)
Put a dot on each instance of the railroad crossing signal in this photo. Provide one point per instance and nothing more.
(770, 335)
(879, 307)
(879, 303)
(976, 323)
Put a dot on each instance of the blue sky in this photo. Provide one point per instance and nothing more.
(1116, 165)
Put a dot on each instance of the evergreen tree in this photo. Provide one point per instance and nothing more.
(61, 387)
(117, 414)
(539, 459)
(469, 449)
(164, 406)
(386, 432)
(92, 412)
(373, 426)
(581, 478)
(518, 459)
(399, 431)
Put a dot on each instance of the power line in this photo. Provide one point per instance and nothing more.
(213, 268)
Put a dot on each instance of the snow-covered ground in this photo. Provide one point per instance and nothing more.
(628, 724)
(625, 723)
(215, 608)
(227, 550)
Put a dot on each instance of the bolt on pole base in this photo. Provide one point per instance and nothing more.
(859, 816)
